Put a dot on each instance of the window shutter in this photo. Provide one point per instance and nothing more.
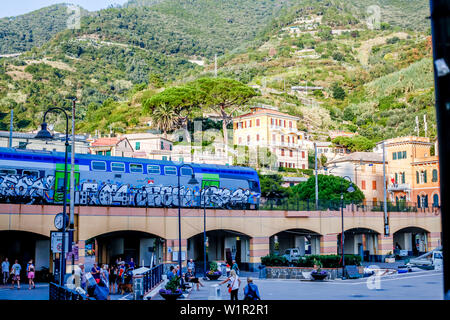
(418, 201)
(417, 176)
(425, 176)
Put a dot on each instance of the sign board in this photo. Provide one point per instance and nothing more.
(56, 241)
(74, 253)
(175, 255)
(403, 253)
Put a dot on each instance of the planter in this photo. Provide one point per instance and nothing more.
(318, 276)
(213, 276)
(171, 296)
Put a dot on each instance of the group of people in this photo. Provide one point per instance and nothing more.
(251, 291)
(15, 271)
(106, 277)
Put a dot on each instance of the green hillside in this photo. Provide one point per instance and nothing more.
(21, 33)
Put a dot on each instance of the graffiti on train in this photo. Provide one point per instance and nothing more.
(33, 190)
(27, 188)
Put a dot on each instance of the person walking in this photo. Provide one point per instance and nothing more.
(30, 275)
(251, 291)
(132, 264)
(234, 284)
(15, 272)
(5, 271)
(235, 267)
(95, 271)
(104, 274)
(113, 275)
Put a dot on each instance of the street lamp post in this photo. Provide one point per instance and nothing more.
(350, 189)
(192, 181)
(204, 233)
(46, 135)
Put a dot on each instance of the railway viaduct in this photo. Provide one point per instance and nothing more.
(104, 233)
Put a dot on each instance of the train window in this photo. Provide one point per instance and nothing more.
(7, 171)
(186, 171)
(153, 169)
(117, 166)
(33, 173)
(170, 171)
(136, 168)
(98, 165)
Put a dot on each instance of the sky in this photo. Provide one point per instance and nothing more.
(10, 8)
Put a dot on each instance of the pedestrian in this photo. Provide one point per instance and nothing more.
(191, 265)
(235, 267)
(228, 269)
(30, 275)
(131, 264)
(190, 277)
(5, 271)
(251, 291)
(104, 274)
(113, 275)
(233, 285)
(15, 272)
(171, 273)
(80, 277)
(95, 271)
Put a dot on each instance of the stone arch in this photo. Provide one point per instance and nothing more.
(307, 241)
(361, 241)
(413, 239)
(141, 246)
(222, 245)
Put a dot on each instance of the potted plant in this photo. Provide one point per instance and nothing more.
(213, 273)
(318, 273)
(172, 290)
(390, 258)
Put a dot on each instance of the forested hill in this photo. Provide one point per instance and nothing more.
(21, 33)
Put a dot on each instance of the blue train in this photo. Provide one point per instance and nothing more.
(37, 177)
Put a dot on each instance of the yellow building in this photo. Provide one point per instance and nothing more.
(277, 131)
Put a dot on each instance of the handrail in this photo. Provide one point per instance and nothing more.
(57, 292)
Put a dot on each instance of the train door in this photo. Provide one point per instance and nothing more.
(59, 181)
(209, 180)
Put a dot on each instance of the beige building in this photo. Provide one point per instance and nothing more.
(365, 169)
(24, 140)
(115, 147)
(150, 146)
(272, 129)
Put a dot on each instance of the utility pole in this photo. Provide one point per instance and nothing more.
(11, 128)
(386, 218)
(440, 26)
(317, 180)
(72, 181)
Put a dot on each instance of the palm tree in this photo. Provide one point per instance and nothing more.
(164, 117)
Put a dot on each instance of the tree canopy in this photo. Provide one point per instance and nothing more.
(356, 143)
(329, 189)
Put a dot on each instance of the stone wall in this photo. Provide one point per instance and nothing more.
(298, 273)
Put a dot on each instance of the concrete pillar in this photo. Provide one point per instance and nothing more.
(174, 245)
(300, 243)
(259, 247)
(328, 244)
(42, 254)
(144, 251)
(434, 240)
(81, 251)
(385, 244)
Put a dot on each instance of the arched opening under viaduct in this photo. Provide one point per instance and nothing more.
(222, 246)
(360, 241)
(307, 241)
(23, 246)
(144, 248)
(410, 241)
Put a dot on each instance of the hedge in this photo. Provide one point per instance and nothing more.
(327, 261)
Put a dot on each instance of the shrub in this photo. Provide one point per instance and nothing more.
(274, 260)
(328, 261)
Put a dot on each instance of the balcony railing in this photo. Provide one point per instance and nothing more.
(399, 187)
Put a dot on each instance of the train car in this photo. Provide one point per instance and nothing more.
(37, 177)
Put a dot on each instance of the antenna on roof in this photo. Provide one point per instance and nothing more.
(417, 126)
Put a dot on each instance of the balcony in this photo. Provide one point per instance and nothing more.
(399, 187)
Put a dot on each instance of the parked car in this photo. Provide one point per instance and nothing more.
(291, 254)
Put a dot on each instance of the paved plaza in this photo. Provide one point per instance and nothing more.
(421, 285)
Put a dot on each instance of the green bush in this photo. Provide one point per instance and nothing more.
(328, 261)
(274, 260)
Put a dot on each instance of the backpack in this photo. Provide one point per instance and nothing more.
(251, 295)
